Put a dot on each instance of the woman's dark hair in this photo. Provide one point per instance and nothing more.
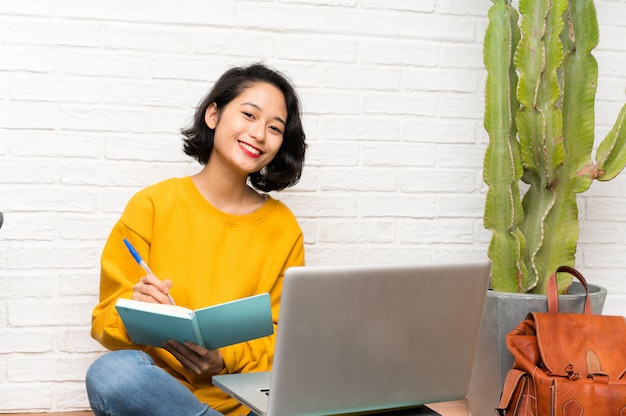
(286, 167)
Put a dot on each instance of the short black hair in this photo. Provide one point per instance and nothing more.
(286, 167)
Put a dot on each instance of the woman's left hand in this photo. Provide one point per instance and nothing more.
(196, 359)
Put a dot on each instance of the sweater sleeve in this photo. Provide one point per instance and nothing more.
(118, 274)
(258, 355)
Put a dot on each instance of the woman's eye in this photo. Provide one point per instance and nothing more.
(276, 129)
(248, 115)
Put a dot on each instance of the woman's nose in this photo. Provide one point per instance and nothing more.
(257, 131)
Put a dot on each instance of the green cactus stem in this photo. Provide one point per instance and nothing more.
(539, 114)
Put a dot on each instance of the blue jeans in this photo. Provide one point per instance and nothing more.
(127, 382)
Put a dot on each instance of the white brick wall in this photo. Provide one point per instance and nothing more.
(93, 94)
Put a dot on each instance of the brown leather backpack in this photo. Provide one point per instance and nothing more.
(566, 364)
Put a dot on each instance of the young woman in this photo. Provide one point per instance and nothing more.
(209, 238)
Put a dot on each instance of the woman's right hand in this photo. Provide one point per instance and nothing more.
(151, 289)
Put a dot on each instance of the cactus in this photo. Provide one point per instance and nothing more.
(539, 114)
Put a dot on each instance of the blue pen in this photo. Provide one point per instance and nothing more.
(142, 263)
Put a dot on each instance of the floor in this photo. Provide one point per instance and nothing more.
(456, 408)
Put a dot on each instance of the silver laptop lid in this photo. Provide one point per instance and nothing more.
(362, 338)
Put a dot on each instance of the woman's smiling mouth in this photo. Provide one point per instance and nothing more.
(250, 150)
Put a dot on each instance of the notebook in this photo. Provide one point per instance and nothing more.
(359, 339)
(211, 327)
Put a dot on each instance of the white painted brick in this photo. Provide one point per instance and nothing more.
(4, 87)
(104, 119)
(44, 88)
(186, 11)
(115, 64)
(47, 257)
(54, 32)
(460, 106)
(21, 116)
(323, 205)
(166, 120)
(81, 227)
(398, 154)
(332, 254)
(70, 396)
(608, 90)
(435, 130)
(332, 153)
(348, 3)
(447, 253)
(147, 148)
(28, 341)
(352, 127)
(358, 21)
(476, 8)
(33, 313)
(201, 68)
(430, 79)
(146, 93)
(375, 77)
(613, 63)
(53, 198)
(78, 341)
(23, 226)
(32, 7)
(309, 230)
(398, 52)
(55, 144)
(396, 205)
(3, 143)
(308, 181)
(317, 48)
(611, 13)
(460, 156)
(26, 368)
(26, 171)
(436, 231)
(439, 180)
(401, 254)
(448, 205)
(604, 255)
(611, 38)
(350, 232)
(405, 5)
(31, 396)
(330, 101)
(109, 174)
(248, 44)
(423, 104)
(460, 55)
(198, 12)
(114, 200)
(599, 232)
(354, 179)
(601, 209)
(27, 59)
(442, 28)
(160, 39)
(280, 17)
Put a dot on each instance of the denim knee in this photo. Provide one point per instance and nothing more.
(112, 374)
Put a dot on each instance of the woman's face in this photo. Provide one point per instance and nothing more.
(248, 130)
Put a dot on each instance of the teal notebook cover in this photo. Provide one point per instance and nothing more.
(211, 327)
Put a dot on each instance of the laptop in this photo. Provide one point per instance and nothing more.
(366, 339)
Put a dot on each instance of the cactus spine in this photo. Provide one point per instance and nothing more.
(539, 114)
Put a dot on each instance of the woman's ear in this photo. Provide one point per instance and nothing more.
(211, 116)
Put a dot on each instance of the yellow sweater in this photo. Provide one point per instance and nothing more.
(211, 257)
